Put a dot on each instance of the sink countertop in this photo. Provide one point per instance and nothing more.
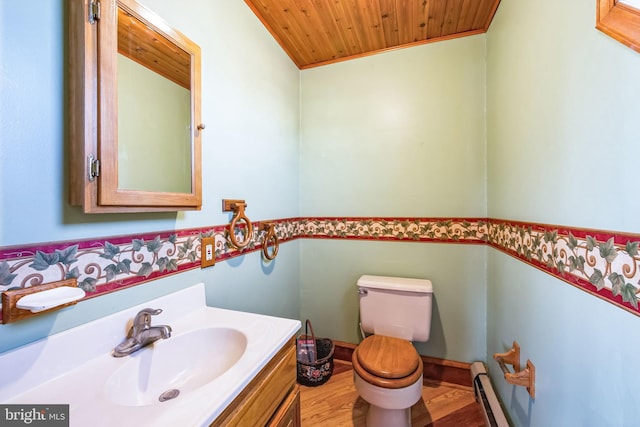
(58, 370)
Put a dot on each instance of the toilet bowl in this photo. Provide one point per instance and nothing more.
(394, 311)
(388, 375)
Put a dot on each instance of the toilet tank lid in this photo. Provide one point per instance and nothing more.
(396, 283)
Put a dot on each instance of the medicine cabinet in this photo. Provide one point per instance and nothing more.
(134, 111)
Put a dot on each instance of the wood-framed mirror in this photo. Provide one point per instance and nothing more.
(620, 19)
(135, 120)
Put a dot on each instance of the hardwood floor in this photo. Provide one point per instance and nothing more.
(336, 403)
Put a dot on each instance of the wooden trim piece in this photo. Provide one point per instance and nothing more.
(619, 21)
(447, 371)
(110, 194)
(343, 350)
(82, 42)
(392, 48)
(11, 313)
(263, 395)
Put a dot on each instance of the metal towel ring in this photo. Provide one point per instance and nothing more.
(237, 206)
(270, 236)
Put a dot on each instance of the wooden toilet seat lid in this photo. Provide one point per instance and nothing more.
(387, 357)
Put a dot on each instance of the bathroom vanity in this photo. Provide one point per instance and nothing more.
(219, 367)
(272, 398)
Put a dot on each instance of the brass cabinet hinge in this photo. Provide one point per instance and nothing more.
(94, 11)
(93, 167)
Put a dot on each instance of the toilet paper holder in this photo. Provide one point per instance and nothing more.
(525, 377)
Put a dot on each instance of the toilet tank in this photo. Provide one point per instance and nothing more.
(395, 306)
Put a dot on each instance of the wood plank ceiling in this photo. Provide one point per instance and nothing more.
(319, 32)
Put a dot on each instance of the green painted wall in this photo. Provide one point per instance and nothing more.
(563, 103)
(331, 269)
(252, 127)
(534, 121)
(398, 134)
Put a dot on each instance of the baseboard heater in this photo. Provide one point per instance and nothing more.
(486, 396)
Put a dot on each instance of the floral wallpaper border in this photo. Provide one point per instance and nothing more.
(603, 263)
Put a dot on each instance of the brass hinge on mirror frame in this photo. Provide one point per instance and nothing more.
(94, 11)
(93, 167)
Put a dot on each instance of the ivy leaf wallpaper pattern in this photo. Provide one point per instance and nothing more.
(603, 263)
(600, 263)
(5, 274)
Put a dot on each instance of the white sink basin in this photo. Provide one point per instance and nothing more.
(171, 368)
(211, 356)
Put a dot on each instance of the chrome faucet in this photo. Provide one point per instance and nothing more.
(142, 333)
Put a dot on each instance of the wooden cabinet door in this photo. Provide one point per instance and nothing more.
(288, 415)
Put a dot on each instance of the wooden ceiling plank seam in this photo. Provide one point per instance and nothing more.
(421, 13)
(348, 36)
(334, 45)
(484, 13)
(419, 18)
(354, 37)
(294, 26)
(399, 24)
(375, 31)
(389, 22)
(436, 19)
(315, 32)
(451, 16)
(411, 20)
(480, 15)
(357, 21)
(352, 21)
(334, 31)
(404, 16)
(468, 15)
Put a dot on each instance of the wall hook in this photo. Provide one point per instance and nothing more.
(237, 207)
(525, 377)
(269, 236)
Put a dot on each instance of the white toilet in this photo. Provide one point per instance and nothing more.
(387, 368)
